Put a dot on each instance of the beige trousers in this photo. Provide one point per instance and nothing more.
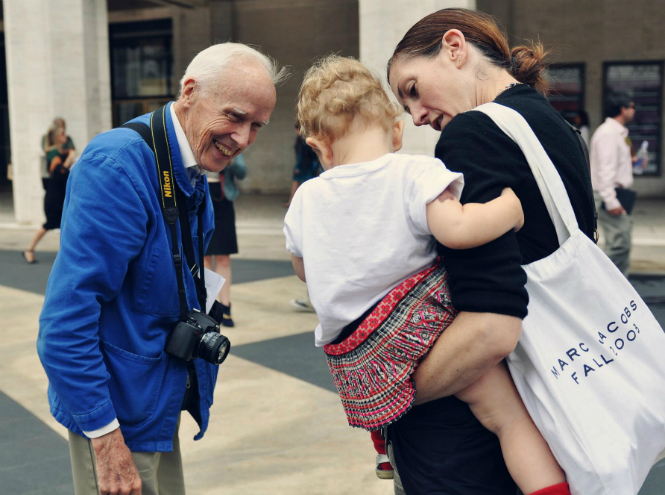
(161, 472)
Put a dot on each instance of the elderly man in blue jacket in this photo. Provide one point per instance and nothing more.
(112, 297)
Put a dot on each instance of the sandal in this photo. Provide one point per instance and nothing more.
(30, 262)
(384, 469)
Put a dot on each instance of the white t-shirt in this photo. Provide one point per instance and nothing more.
(361, 230)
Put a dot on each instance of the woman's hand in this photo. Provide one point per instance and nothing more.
(470, 346)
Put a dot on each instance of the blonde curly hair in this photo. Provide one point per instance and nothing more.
(337, 90)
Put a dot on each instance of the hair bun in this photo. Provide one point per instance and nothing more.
(528, 65)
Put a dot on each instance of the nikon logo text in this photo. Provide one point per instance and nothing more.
(168, 192)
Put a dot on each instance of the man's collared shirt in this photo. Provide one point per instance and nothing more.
(611, 162)
(188, 160)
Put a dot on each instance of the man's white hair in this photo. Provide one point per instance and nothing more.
(209, 64)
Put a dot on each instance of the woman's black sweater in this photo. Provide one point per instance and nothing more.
(490, 278)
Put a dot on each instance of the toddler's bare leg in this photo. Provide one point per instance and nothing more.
(494, 400)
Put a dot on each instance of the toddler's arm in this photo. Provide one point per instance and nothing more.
(459, 226)
(298, 266)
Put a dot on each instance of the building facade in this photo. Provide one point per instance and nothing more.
(601, 46)
(98, 63)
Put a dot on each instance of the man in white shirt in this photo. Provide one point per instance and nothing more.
(612, 175)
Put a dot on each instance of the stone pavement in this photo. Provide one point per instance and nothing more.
(277, 426)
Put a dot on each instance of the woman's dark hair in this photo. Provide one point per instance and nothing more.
(526, 64)
(584, 118)
(615, 102)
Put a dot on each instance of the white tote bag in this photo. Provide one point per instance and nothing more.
(590, 365)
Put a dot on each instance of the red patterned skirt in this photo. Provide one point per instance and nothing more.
(372, 367)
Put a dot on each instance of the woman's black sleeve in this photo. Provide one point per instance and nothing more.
(489, 278)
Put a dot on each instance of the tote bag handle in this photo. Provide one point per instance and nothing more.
(547, 177)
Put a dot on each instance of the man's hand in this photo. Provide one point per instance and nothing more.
(617, 211)
(116, 471)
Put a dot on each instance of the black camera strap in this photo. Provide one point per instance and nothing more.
(188, 247)
(156, 138)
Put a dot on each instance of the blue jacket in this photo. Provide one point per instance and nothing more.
(111, 299)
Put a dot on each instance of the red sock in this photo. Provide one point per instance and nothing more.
(379, 442)
(560, 489)
(380, 447)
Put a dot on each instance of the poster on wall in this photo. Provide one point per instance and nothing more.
(566, 91)
(643, 81)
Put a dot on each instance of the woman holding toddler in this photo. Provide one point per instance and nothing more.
(361, 234)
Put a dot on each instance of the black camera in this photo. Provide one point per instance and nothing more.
(198, 336)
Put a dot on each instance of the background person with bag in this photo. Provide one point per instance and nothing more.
(224, 242)
(59, 160)
(447, 64)
(612, 176)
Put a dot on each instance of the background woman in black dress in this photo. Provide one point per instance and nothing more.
(224, 242)
(447, 64)
(59, 160)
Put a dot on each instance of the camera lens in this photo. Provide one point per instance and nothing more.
(214, 347)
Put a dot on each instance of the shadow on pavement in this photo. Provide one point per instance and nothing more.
(294, 355)
(33, 458)
(16, 273)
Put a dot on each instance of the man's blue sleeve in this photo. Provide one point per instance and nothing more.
(104, 228)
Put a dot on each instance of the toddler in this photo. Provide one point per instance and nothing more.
(362, 235)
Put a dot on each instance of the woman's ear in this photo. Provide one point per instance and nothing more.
(398, 133)
(323, 150)
(453, 46)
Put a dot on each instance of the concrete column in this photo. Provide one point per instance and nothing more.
(383, 23)
(57, 65)
(222, 21)
(191, 34)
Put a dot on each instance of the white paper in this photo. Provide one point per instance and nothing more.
(214, 283)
